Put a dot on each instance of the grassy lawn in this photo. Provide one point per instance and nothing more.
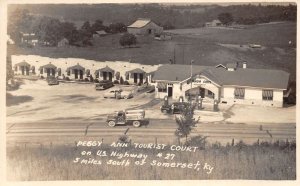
(256, 162)
(200, 44)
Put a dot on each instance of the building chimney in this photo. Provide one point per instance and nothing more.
(244, 64)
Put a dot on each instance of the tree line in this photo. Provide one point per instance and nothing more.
(51, 30)
(169, 16)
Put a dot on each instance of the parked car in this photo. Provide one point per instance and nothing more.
(104, 84)
(118, 94)
(174, 108)
(134, 117)
(51, 80)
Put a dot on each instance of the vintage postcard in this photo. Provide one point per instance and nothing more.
(154, 91)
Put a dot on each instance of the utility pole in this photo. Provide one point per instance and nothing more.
(191, 80)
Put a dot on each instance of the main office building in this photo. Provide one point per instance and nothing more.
(227, 84)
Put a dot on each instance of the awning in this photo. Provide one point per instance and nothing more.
(267, 93)
(239, 92)
(161, 85)
(23, 63)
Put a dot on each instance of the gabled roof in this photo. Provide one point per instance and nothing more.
(106, 69)
(231, 65)
(136, 70)
(23, 63)
(244, 77)
(48, 66)
(249, 77)
(216, 21)
(79, 67)
(100, 32)
(176, 72)
(139, 23)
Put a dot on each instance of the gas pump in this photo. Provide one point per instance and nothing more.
(181, 99)
(216, 105)
(166, 101)
(200, 102)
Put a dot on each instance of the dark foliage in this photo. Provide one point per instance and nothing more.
(127, 40)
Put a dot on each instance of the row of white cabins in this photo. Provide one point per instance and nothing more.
(231, 83)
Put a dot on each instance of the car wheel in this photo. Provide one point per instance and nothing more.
(136, 123)
(111, 123)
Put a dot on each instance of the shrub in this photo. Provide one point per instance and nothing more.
(67, 79)
(126, 83)
(198, 141)
(127, 40)
(116, 82)
(91, 78)
(96, 81)
(117, 75)
(42, 77)
(121, 80)
(86, 79)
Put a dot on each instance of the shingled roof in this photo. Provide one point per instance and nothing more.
(263, 78)
(139, 23)
(176, 72)
(248, 77)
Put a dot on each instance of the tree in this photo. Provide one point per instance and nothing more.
(225, 18)
(49, 30)
(86, 29)
(185, 122)
(19, 21)
(128, 40)
(69, 31)
(98, 25)
(114, 28)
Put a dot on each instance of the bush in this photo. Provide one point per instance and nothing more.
(86, 79)
(117, 75)
(128, 40)
(96, 81)
(126, 83)
(42, 77)
(116, 82)
(121, 80)
(91, 78)
(67, 79)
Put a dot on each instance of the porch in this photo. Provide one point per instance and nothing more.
(76, 72)
(136, 76)
(105, 73)
(49, 70)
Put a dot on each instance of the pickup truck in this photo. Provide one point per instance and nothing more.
(118, 94)
(134, 117)
(174, 108)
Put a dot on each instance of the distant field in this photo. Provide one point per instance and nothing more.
(200, 44)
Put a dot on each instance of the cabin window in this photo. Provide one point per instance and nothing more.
(267, 95)
(239, 93)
